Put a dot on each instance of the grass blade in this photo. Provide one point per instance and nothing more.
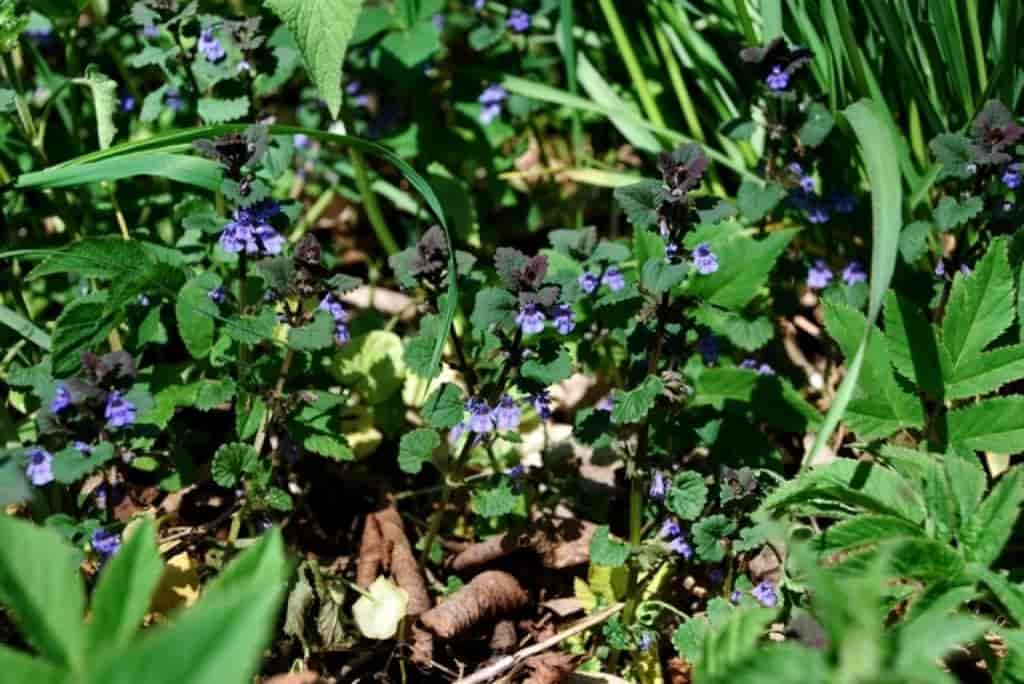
(24, 327)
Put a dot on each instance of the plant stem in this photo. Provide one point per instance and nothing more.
(636, 74)
(979, 49)
(373, 212)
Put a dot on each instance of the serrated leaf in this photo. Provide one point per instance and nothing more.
(980, 307)
(990, 425)
(744, 265)
(317, 425)
(212, 393)
(82, 326)
(996, 517)
(322, 29)
(953, 150)
(864, 530)
(604, 550)
(914, 240)
(640, 201)
(770, 398)
(416, 448)
(687, 495)
(71, 465)
(659, 276)
(548, 372)
(231, 461)
(633, 405)
(913, 344)
(986, 372)
(252, 329)
(494, 502)
(494, 306)
(318, 334)
(444, 407)
(748, 334)
(817, 126)
(105, 257)
(950, 213)
(688, 639)
(214, 110)
(708, 534)
(413, 46)
(756, 200)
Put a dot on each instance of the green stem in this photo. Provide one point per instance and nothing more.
(373, 212)
(312, 215)
(979, 49)
(636, 74)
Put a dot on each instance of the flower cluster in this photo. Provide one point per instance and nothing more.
(611, 278)
(333, 306)
(105, 543)
(493, 99)
(819, 275)
(673, 534)
(518, 21)
(776, 64)
(210, 47)
(250, 230)
(761, 368)
(40, 466)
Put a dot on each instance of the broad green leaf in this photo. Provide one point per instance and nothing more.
(659, 276)
(231, 461)
(864, 530)
(996, 517)
(950, 213)
(880, 406)
(913, 344)
(746, 333)
(756, 200)
(318, 334)
(990, 425)
(71, 465)
(197, 314)
(548, 372)
(104, 102)
(122, 595)
(985, 372)
(102, 257)
(818, 125)
(607, 551)
(967, 483)
(744, 265)
(881, 157)
(41, 587)
(687, 495)
(412, 46)
(215, 110)
(221, 639)
(494, 306)
(416, 448)
(708, 534)
(322, 29)
(851, 484)
(632, 406)
(733, 642)
(640, 201)
(19, 666)
(931, 636)
(1010, 594)
(252, 329)
(371, 365)
(494, 502)
(82, 326)
(444, 408)
(317, 425)
(980, 307)
(24, 328)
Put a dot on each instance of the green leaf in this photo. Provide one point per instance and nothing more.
(967, 483)
(996, 518)
(950, 213)
(548, 372)
(632, 406)
(985, 372)
(412, 46)
(708, 534)
(278, 499)
(197, 171)
(24, 328)
(319, 334)
(317, 425)
(770, 399)
(688, 639)
(444, 407)
(914, 240)
(913, 344)
(756, 200)
(19, 666)
(104, 102)
(870, 122)
(215, 110)
(980, 307)
(416, 448)
(197, 314)
(220, 640)
(931, 636)
(122, 596)
(322, 29)
(231, 461)
(212, 393)
(953, 150)
(82, 326)
(494, 502)
(659, 276)
(687, 495)
(252, 329)
(818, 125)
(71, 465)
(494, 306)
(746, 333)
(41, 587)
(104, 257)
(864, 530)
(604, 550)
(372, 365)
(640, 201)
(744, 265)
(990, 425)
(850, 484)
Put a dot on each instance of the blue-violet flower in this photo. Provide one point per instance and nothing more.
(40, 466)
(119, 412)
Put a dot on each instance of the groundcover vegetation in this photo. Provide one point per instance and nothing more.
(562, 341)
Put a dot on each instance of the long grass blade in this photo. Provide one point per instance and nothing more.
(24, 327)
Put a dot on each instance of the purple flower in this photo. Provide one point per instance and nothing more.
(565, 319)
(736, 596)
(613, 279)
(150, 31)
(142, 300)
(1011, 176)
(589, 282)
(128, 103)
(333, 306)
(359, 98)
(82, 447)
(716, 576)
(679, 545)
(250, 230)
(940, 268)
(541, 404)
(530, 319)
(518, 21)
(492, 99)
(765, 594)
(670, 529)
(765, 369)
(481, 420)
(217, 295)
(818, 213)
(211, 47)
(819, 275)
(778, 79)
(748, 363)
(854, 273)
(646, 639)
(607, 403)
(61, 400)
(301, 141)
(479, 4)
(762, 368)
(173, 100)
(707, 345)
(105, 543)
(704, 259)
(506, 414)
(40, 466)
(456, 432)
(805, 181)
(119, 412)
(659, 485)
(965, 270)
